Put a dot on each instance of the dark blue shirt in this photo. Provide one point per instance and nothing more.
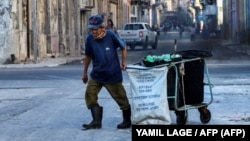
(105, 59)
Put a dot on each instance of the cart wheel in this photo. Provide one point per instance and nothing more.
(205, 115)
(181, 117)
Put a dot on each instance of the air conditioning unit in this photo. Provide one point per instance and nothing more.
(153, 2)
(87, 4)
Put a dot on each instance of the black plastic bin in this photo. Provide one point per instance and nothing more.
(191, 85)
(193, 82)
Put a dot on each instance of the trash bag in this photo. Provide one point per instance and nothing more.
(190, 54)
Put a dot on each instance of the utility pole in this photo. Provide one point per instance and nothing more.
(34, 28)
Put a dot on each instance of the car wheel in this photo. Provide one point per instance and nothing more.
(132, 47)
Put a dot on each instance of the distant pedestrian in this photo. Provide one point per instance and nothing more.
(110, 26)
(166, 27)
(101, 48)
(181, 30)
(192, 33)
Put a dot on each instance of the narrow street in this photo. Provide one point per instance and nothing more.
(48, 103)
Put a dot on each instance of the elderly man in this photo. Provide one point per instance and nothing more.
(101, 48)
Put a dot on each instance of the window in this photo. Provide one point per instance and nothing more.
(133, 27)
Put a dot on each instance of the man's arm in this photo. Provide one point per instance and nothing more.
(124, 58)
(87, 61)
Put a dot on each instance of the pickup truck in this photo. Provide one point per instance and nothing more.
(139, 34)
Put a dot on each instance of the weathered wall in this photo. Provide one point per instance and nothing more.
(13, 30)
(62, 27)
(41, 28)
(58, 28)
(113, 13)
(53, 34)
(6, 40)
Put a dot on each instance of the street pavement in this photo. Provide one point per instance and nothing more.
(70, 121)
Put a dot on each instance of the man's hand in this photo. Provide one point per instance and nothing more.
(124, 66)
(85, 78)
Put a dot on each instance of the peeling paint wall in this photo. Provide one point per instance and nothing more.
(6, 44)
(57, 23)
(41, 27)
(60, 26)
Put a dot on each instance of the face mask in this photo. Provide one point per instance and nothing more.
(99, 33)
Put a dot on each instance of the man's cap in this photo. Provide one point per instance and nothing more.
(95, 22)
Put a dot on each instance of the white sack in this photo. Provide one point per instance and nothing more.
(149, 96)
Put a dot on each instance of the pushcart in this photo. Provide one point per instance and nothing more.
(187, 79)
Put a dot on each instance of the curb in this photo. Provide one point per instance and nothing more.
(47, 63)
(239, 48)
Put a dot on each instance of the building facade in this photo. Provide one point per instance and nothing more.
(31, 30)
(37, 29)
(237, 15)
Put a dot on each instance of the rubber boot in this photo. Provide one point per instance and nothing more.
(96, 123)
(126, 123)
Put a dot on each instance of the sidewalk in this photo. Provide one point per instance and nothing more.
(46, 62)
(237, 47)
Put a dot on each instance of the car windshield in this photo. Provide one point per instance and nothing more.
(133, 27)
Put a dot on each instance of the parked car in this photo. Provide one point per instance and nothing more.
(139, 34)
